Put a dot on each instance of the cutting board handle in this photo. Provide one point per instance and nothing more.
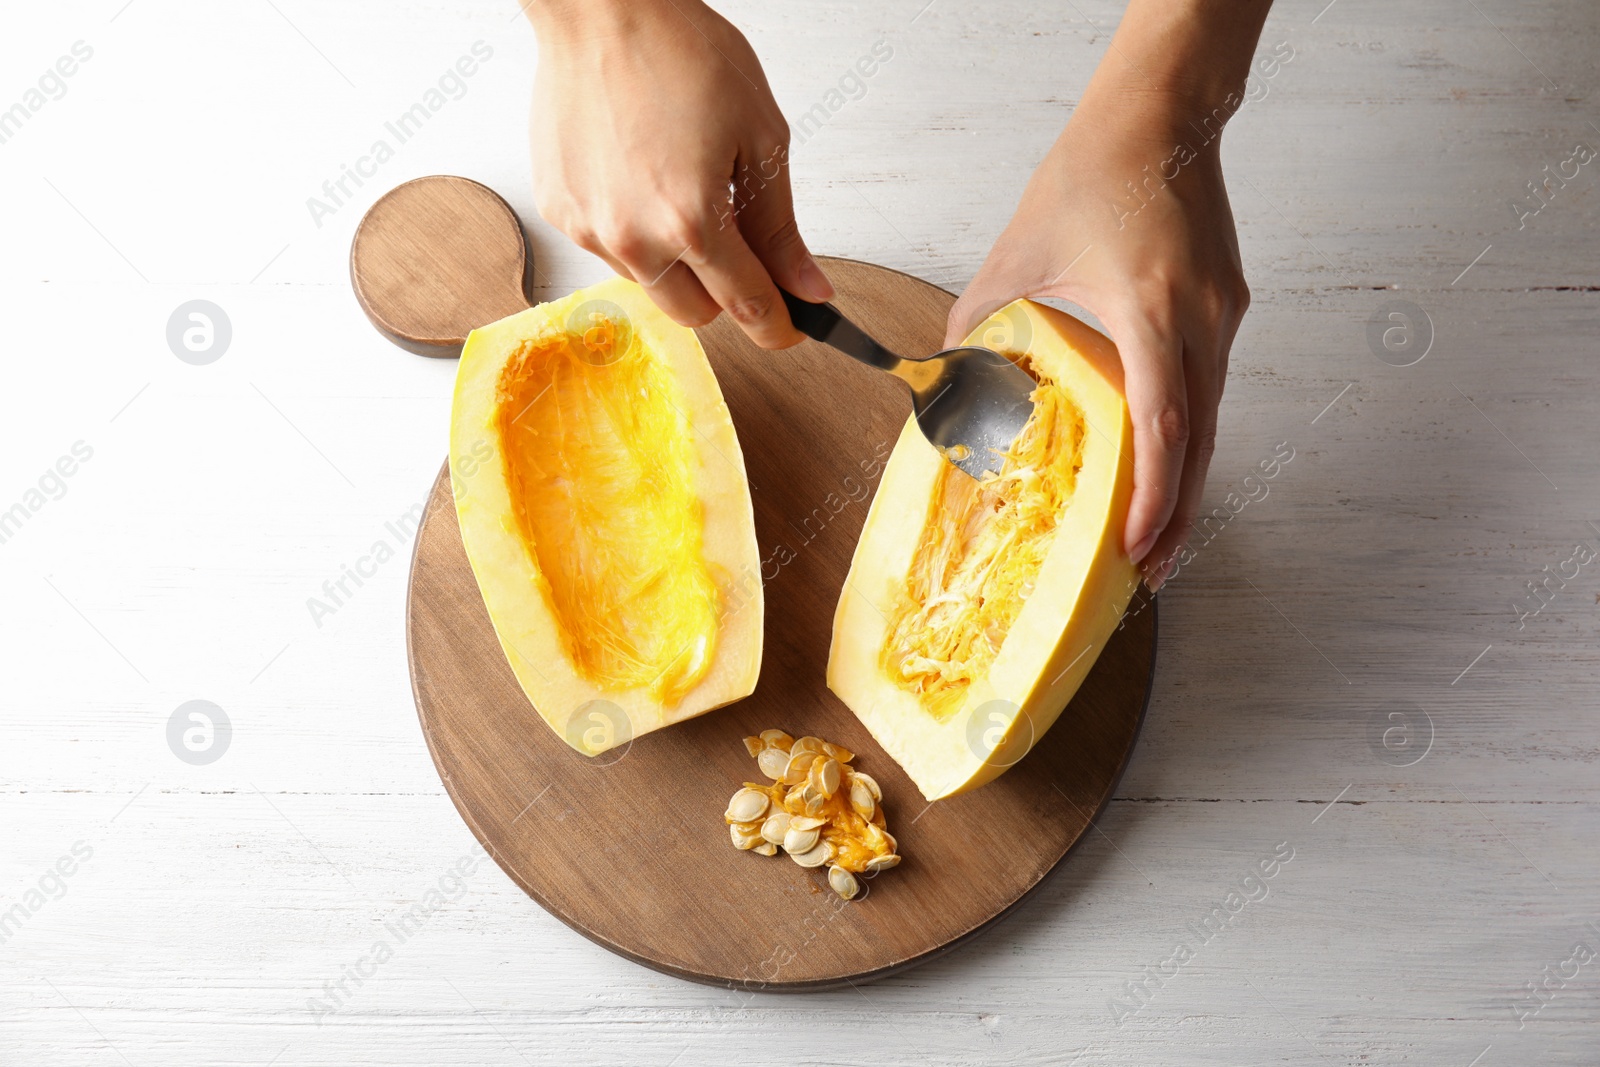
(437, 257)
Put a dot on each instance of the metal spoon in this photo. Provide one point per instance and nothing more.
(970, 402)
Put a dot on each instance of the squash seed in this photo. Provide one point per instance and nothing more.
(814, 791)
(775, 827)
(798, 767)
(821, 853)
(813, 786)
(773, 761)
(824, 776)
(747, 805)
(800, 840)
(862, 801)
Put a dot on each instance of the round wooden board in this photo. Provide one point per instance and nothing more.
(629, 848)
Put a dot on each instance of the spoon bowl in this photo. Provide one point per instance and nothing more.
(970, 402)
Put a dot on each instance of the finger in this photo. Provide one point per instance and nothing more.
(1015, 267)
(974, 307)
(679, 293)
(984, 295)
(741, 286)
(1158, 406)
(765, 215)
(1204, 395)
(592, 245)
(669, 283)
(1210, 339)
(964, 315)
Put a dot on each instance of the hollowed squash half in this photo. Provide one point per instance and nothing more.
(973, 610)
(604, 508)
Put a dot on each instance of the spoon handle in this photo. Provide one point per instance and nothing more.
(822, 322)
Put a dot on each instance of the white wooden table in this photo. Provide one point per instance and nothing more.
(211, 908)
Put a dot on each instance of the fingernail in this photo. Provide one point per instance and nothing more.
(1159, 578)
(1142, 549)
(814, 284)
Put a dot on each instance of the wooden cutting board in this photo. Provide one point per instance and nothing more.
(629, 848)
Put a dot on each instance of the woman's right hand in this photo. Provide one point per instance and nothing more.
(645, 112)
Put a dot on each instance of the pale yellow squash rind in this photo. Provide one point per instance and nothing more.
(517, 595)
(1080, 594)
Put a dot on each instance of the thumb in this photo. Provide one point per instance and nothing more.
(971, 309)
(1002, 279)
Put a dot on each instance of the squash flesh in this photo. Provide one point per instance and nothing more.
(1030, 612)
(981, 549)
(602, 500)
(598, 459)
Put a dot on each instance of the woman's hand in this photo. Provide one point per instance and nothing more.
(1128, 217)
(645, 112)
